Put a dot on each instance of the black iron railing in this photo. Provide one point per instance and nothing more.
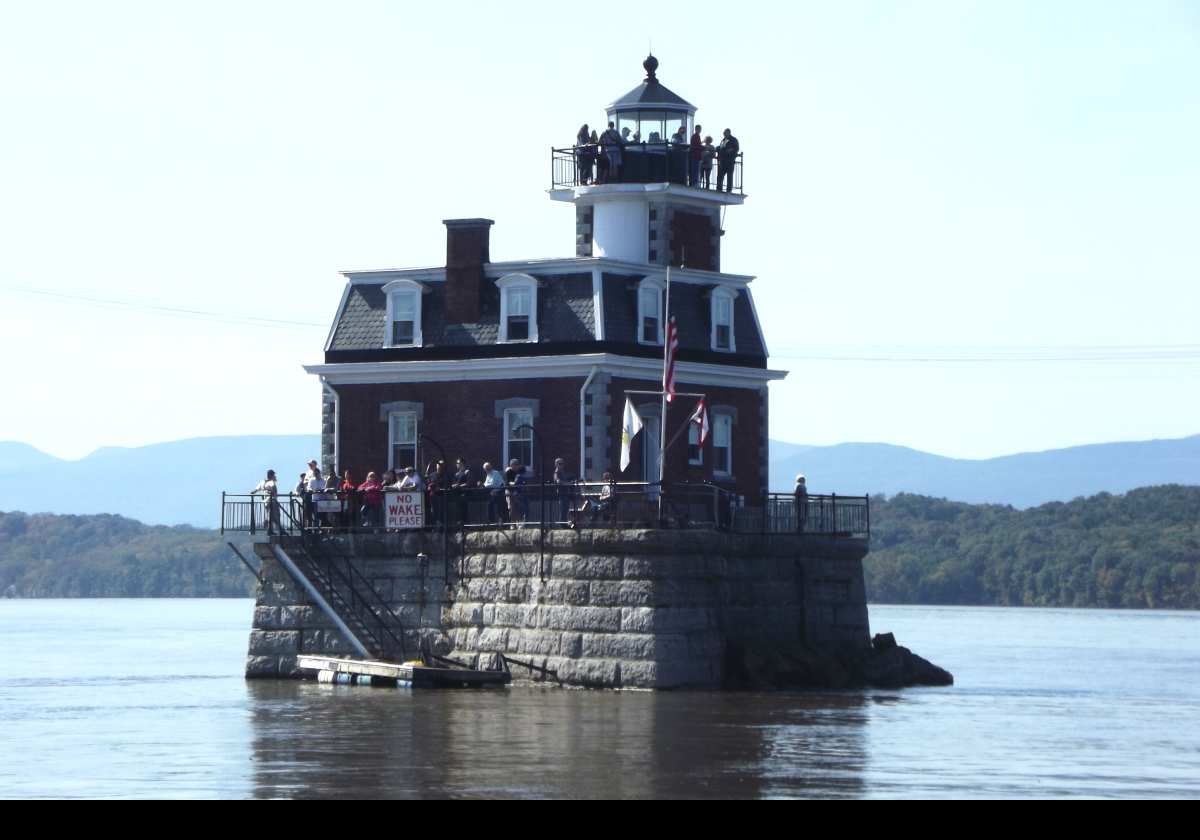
(546, 506)
(340, 582)
(642, 163)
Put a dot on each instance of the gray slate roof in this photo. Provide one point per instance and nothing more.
(691, 308)
(565, 314)
(651, 93)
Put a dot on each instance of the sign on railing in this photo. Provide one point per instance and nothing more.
(404, 510)
(574, 505)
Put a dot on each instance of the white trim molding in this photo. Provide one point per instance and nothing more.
(337, 318)
(373, 277)
(563, 265)
(598, 303)
(578, 265)
(541, 367)
(679, 194)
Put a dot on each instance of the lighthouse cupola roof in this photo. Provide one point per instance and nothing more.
(650, 94)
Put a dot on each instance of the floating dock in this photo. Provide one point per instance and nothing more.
(406, 675)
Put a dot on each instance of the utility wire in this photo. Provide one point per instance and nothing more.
(934, 354)
(176, 311)
(994, 355)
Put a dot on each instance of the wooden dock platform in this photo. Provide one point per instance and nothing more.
(410, 674)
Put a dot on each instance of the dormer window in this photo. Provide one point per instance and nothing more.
(650, 306)
(403, 313)
(518, 308)
(722, 320)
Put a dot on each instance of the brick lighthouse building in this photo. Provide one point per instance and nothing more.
(462, 359)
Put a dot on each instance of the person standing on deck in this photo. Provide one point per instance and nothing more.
(268, 488)
(727, 154)
(695, 155)
(493, 480)
(800, 496)
(372, 496)
(564, 488)
(612, 144)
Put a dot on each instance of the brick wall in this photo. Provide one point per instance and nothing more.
(748, 435)
(462, 417)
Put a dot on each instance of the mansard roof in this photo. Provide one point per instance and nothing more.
(566, 316)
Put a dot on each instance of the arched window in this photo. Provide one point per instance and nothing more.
(650, 311)
(403, 313)
(722, 448)
(722, 319)
(518, 308)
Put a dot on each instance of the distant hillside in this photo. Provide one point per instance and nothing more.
(15, 457)
(1140, 550)
(109, 556)
(162, 484)
(1021, 480)
(181, 482)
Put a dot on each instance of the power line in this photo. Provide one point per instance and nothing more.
(175, 311)
(994, 354)
(886, 354)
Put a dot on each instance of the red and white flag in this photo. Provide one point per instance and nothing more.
(672, 348)
(700, 418)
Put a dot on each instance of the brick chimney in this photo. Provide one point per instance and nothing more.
(466, 253)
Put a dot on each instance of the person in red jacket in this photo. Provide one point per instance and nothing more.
(372, 508)
(347, 492)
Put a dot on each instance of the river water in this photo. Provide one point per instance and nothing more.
(145, 698)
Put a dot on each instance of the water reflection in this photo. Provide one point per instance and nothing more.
(313, 740)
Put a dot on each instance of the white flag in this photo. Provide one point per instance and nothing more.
(700, 418)
(630, 426)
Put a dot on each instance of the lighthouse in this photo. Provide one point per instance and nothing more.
(632, 540)
(656, 207)
(534, 360)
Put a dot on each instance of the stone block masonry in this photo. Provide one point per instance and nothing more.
(603, 608)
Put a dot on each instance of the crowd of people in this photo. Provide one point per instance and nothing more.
(600, 159)
(327, 502)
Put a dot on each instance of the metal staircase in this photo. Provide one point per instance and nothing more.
(343, 593)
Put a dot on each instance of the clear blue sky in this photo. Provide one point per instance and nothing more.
(955, 208)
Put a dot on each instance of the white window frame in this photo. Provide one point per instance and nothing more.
(721, 419)
(721, 295)
(393, 290)
(508, 283)
(511, 422)
(393, 421)
(647, 285)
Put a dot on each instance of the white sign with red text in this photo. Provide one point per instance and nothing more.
(404, 510)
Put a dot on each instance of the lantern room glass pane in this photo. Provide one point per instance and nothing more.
(673, 122)
(653, 126)
(627, 120)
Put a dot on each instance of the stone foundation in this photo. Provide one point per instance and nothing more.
(603, 608)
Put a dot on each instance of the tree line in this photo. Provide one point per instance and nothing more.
(1137, 550)
(106, 556)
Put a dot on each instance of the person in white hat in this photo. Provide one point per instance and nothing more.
(801, 500)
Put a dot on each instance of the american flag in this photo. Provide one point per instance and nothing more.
(669, 360)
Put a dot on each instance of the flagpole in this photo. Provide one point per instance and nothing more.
(662, 434)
